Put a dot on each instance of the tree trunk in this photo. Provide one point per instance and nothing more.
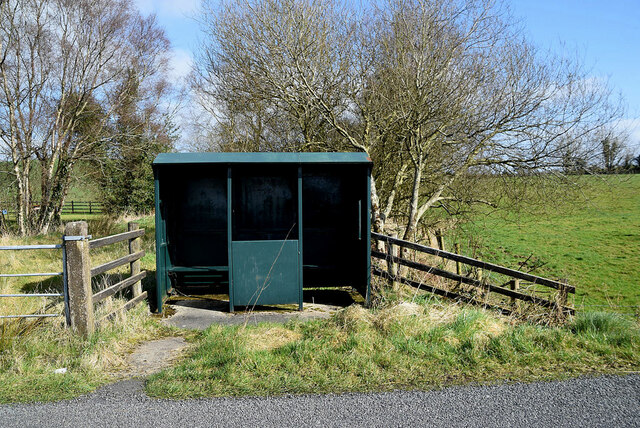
(397, 184)
(412, 224)
(23, 197)
(376, 219)
(58, 187)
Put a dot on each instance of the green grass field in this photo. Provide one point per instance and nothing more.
(594, 243)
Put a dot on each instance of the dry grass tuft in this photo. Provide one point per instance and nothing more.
(397, 314)
(487, 328)
(353, 316)
(109, 357)
(442, 314)
(413, 320)
(268, 338)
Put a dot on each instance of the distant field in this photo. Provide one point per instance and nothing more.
(83, 185)
(595, 243)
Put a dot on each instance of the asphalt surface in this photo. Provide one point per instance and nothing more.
(606, 401)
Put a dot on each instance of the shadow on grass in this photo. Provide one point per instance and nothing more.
(214, 296)
(98, 283)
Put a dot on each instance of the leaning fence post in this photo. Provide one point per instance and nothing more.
(134, 266)
(561, 300)
(392, 267)
(79, 277)
(484, 288)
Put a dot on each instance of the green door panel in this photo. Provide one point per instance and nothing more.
(265, 272)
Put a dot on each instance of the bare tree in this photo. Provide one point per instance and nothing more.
(473, 95)
(434, 91)
(251, 69)
(61, 67)
(286, 75)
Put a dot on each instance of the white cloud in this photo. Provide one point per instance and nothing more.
(168, 7)
(631, 126)
(181, 63)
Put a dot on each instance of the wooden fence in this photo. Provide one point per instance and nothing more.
(81, 297)
(82, 207)
(69, 207)
(511, 290)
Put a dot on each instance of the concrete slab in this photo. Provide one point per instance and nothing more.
(198, 314)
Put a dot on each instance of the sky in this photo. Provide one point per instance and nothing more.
(604, 33)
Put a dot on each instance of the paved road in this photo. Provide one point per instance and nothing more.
(587, 402)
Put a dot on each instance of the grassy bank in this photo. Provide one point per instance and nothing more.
(406, 346)
(31, 350)
(31, 353)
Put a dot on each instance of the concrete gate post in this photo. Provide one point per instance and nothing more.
(79, 277)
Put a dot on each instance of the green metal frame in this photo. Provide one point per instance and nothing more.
(261, 158)
(230, 235)
(162, 280)
(368, 239)
(300, 268)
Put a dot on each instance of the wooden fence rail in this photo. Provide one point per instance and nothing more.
(438, 291)
(82, 207)
(82, 298)
(474, 262)
(559, 304)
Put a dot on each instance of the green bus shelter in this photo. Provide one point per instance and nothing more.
(267, 224)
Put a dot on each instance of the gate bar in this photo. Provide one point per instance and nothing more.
(16, 275)
(33, 295)
(32, 247)
(31, 316)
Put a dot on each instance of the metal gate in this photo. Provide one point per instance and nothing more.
(63, 273)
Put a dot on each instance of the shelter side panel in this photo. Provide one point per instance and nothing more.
(196, 216)
(265, 272)
(332, 205)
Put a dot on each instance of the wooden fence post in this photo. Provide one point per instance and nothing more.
(484, 290)
(515, 286)
(440, 241)
(79, 277)
(134, 266)
(392, 267)
(561, 300)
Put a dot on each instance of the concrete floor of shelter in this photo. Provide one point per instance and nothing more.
(199, 311)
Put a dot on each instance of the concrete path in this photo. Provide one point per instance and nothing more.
(606, 401)
(155, 355)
